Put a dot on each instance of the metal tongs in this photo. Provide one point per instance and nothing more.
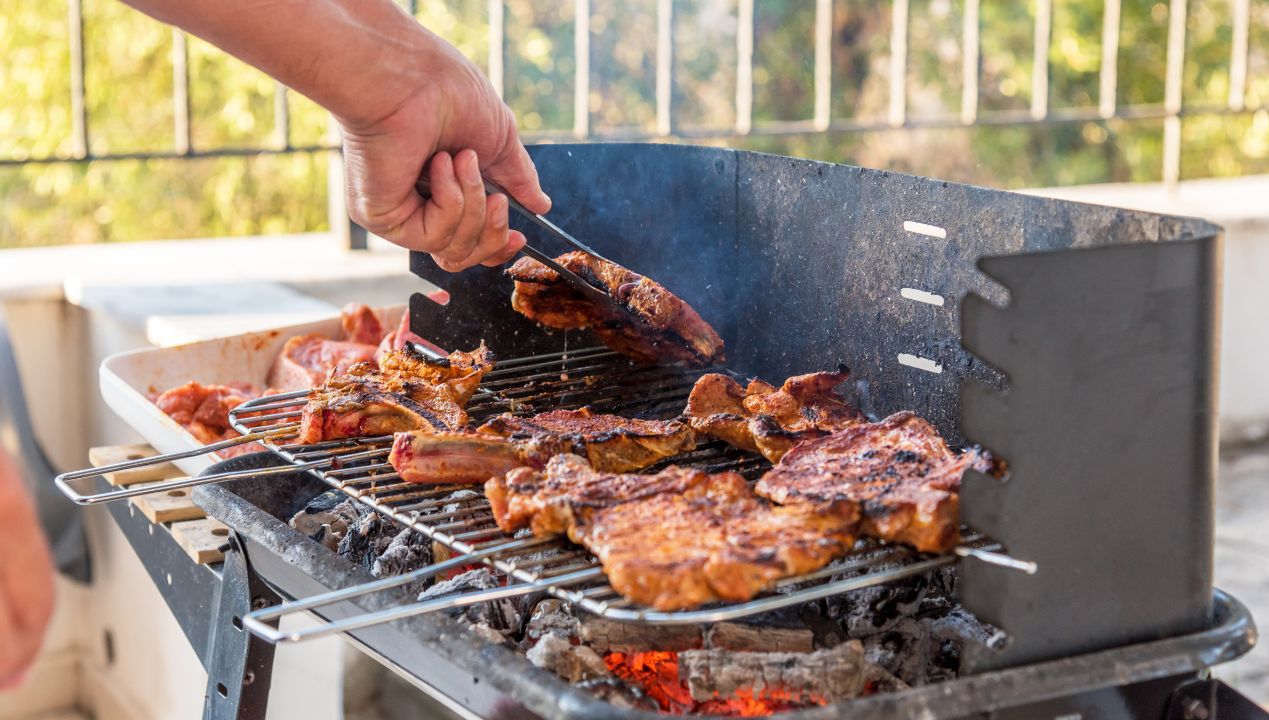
(590, 291)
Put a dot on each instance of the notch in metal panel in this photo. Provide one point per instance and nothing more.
(922, 296)
(924, 229)
(920, 363)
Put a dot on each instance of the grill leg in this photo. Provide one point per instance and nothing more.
(1211, 699)
(239, 665)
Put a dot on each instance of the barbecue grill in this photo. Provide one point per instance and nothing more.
(1076, 342)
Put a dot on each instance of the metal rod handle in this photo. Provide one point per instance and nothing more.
(64, 480)
(266, 631)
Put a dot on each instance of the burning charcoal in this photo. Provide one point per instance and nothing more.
(409, 550)
(551, 617)
(740, 636)
(611, 636)
(621, 694)
(569, 661)
(502, 615)
(488, 634)
(327, 517)
(366, 540)
(875, 609)
(903, 650)
(830, 675)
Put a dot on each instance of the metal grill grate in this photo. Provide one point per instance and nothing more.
(463, 521)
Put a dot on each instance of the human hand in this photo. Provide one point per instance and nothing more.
(26, 578)
(453, 127)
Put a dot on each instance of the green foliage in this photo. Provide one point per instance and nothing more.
(130, 109)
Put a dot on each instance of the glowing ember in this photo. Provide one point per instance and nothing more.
(657, 673)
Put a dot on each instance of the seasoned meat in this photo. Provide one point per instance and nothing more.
(307, 360)
(203, 410)
(611, 443)
(766, 419)
(406, 391)
(360, 324)
(659, 325)
(445, 458)
(676, 539)
(899, 469)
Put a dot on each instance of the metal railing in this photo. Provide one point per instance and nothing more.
(1171, 111)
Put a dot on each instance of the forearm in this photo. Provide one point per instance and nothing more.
(359, 59)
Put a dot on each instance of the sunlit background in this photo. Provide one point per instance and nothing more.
(129, 82)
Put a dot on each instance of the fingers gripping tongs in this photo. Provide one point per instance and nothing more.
(593, 293)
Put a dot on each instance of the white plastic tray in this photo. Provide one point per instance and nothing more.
(128, 379)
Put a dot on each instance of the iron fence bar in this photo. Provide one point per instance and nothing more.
(665, 67)
(898, 114)
(969, 62)
(182, 135)
(79, 108)
(581, 72)
(823, 63)
(1108, 76)
(1172, 92)
(497, 45)
(281, 118)
(1238, 54)
(170, 155)
(1040, 59)
(745, 18)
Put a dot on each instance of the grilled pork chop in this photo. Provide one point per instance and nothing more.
(450, 458)
(900, 471)
(763, 418)
(406, 391)
(660, 325)
(611, 443)
(676, 539)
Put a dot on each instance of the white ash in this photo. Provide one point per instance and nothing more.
(409, 550)
(903, 650)
(551, 617)
(327, 517)
(488, 634)
(569, 661)
(619, 693)
(878, 608)
(502, 615)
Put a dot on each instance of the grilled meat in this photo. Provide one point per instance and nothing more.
(611, 443)
(659, 326)
(406, 391)
(900, 471)
(763, 418)
(676, 539)
(445, 458)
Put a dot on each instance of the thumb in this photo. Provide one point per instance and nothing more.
(514, 172)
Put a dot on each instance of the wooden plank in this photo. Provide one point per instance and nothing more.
(101, 456)
(201, 539)
(169, 506)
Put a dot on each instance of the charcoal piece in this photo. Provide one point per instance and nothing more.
(569, 661)
(366, 540)
(488, 634)
(903, 650)
(835, 674)
(880, 681)
(612, 636)
(949, 634)
(619, 693)
(551, 617)
(755, 638)
(327, 517)
(875, 609)
(408, 550)
(502, 615)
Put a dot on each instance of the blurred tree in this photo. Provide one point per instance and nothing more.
(129, 103)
